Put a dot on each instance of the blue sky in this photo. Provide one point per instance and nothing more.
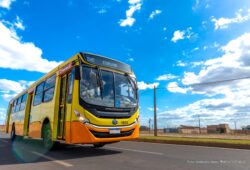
(170, 44)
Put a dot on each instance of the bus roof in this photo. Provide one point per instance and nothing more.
(108, 62)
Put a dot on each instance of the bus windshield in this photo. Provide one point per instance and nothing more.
(106, 88)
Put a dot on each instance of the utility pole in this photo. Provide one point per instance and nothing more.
(199, 123)
(149, 124)
(235, 125)
(155, 117)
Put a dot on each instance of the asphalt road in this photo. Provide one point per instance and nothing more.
(28, 154)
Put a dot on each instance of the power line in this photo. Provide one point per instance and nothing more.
(200, 84)
(219, 81)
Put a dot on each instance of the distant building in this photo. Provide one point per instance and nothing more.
(246, 127)
(188, 129)
(191, 129)
(170, 130)
(221, 128)
(144, 128)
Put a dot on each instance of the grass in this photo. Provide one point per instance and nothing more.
(195, 140)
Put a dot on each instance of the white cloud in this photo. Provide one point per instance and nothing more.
(131, 59)
(6, 3)
(184, 34)
(154, 13)
(198, 4)
(174, 88)
(211, 111)
(2, 116)
(166, 77)
(152, 109)
(234, 63)
(16, 24)
(19, 55)
(228, 100)
(223, 23)
(9, 85)
(178, 35)
(10, 88)
(135, 5)
(127, 22)
(19, 23)
(102, 11)
(215, 45)
(197, 63)
(132, 2)
(180, 63)
(144, 86)
(195, 49)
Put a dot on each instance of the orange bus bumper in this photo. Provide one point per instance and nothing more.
(88, 134)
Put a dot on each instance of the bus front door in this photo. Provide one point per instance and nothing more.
(28, 118)
(62, 107)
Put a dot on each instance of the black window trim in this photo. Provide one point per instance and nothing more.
(45, 90)
(18, 102)
(46, 101)
(23, 102)
(93, 108)
(39, 94)
(71, 80)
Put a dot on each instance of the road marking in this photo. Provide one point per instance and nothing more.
(53, 159)
(134, 150)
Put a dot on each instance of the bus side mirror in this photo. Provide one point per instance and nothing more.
(77, 73)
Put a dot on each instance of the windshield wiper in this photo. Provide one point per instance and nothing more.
(131, 81)
(99, 80)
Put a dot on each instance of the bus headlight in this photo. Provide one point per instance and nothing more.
(81, 117)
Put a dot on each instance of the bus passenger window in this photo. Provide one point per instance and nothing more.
(18, 104)
(39, 94)
(13, 106)
(49, 88)
(23, 102)
(70, 86)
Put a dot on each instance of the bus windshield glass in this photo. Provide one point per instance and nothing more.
(108, 89)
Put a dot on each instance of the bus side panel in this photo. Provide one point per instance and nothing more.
(67, 127)
(80, 133)
(7, 122)
(35, 122)
(18, 118)
(47, 111)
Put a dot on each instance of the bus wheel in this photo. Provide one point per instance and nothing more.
(47, 136)
(98, 145)
(13, 133)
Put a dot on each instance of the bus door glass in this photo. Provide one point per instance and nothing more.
(29, 104)
(62, 106)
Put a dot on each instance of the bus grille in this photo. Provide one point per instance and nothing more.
(108, 135)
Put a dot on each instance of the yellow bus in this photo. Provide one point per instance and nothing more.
(88, 99)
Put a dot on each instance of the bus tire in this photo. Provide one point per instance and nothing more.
(13, 133)
(98, 145)
(47, 136)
